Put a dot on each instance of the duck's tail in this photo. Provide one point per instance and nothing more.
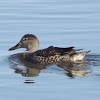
(78, 56)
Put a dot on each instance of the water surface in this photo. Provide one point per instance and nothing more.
(60, 23)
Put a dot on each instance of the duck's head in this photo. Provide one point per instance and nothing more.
(28, 41)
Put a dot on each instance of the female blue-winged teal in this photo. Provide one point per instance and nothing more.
(48, 55)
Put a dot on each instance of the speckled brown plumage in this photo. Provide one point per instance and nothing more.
(50, 55)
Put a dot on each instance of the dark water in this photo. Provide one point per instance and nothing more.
(60, 23)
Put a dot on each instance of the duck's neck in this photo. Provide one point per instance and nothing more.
(32, 50)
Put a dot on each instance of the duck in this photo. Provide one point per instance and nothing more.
(48, 55)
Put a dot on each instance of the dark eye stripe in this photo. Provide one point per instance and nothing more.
(25, 39)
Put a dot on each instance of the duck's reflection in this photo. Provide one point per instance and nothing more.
(75, 69)
(28, 69)
(29, 82)
(21, 66)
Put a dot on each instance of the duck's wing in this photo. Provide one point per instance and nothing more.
(52, 51)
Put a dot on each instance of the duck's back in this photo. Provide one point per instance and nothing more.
(52, 51)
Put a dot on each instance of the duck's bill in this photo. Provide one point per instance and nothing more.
(15, 47)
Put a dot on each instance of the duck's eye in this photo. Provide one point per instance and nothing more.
(25, 39)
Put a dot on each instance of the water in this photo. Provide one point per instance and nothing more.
(60, 23)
